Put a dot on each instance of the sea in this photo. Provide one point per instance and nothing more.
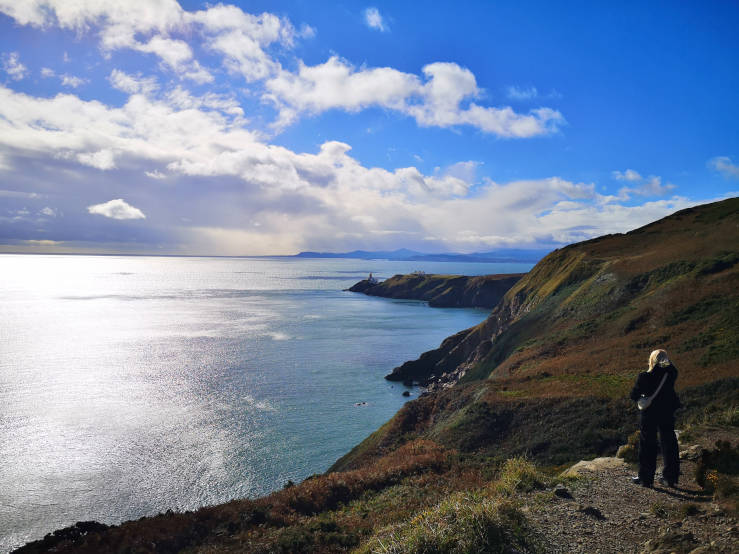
(132, 385)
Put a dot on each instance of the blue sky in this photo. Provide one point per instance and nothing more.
(275, 127)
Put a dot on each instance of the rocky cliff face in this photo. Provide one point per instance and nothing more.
(443, 291)
(596, 306)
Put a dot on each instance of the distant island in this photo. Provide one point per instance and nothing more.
(507, 255)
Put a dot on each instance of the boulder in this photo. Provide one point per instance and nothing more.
(593, 465)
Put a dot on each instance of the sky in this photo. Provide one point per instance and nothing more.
(257, 128)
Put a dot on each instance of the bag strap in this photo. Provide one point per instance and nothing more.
(658, 388)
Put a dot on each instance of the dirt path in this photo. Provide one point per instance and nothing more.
(605, 512)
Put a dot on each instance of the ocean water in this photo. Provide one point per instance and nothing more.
(133, 385)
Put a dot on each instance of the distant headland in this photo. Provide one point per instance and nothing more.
(507, 255)
(442, 291)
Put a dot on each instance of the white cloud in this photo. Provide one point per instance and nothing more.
(230, 178)
(643, 186)
(132, 84)
(306, 31)
(148, 26)
(628, 175)
(724, 165)
(373, 19)
(13, 66)
(437, 102)
(242, 38)
(516, 93)
(102, 159)
(443, 96)
(65, 79)
(72, 81)
(116, 209)
(155, 174)
(48, 212)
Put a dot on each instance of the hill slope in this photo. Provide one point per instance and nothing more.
(443, 291)
(558, 355)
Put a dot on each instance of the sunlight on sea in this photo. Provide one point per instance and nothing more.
(133, 385)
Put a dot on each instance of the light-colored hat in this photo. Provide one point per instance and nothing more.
(658, 357)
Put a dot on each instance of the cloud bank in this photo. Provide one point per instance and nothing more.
(199, 177)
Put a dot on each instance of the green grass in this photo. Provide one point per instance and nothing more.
(464, 523)
(519, 474)
(701, 310)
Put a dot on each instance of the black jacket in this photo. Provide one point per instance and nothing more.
(666, 401)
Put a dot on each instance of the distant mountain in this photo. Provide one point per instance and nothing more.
(494, 256)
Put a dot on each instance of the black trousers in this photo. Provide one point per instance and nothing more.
(665, 424)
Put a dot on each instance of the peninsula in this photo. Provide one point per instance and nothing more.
(442, 291)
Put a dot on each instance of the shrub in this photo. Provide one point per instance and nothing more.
(462, 524)
(629, 452)
(724, 459)
(519, 475)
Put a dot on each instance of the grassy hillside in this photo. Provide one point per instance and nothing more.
(549, 371)
(443, 291)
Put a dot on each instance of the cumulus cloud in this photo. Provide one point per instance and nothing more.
(230, 180)
(373, 20)
(642, 186)
(13, 66)
(437, 102)
(116, 209)
(152, 27)
(72, 81)
(628, 175)
(132, 84)
(444, 95)
(725, 166)
(66, 80)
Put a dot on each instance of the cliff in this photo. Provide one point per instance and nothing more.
(549, 370)
(443, 291)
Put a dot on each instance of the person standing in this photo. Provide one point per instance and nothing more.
(655, 395)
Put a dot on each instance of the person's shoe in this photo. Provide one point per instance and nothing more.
(667, 483)
(638, 481)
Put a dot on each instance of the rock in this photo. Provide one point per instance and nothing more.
(562, 492)
(592, 512)
(406, 393)
(669, 542)
(593, 465)
(693, 453)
